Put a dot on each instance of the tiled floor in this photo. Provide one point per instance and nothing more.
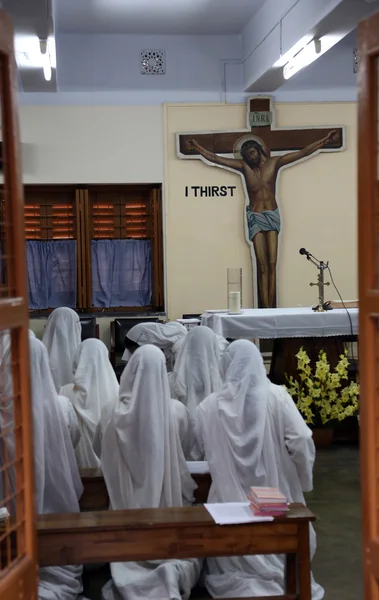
(336, 502)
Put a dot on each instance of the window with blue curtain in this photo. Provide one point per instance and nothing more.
(51, 269)
(121, 273)
(98, 247)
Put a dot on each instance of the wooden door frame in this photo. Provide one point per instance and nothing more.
(368, 257)
(20, 580)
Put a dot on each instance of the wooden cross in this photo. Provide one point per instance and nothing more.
(276, 140)
(280, 141)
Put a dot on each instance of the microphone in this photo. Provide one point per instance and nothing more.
(304, 252)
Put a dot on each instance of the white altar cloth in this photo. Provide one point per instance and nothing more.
(270, 323)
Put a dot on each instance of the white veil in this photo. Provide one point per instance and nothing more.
(57, 480)
(62, 337)
(196, 373)
(94, 387)
(236, 428)
(167, 336)
(142, 430)
(144, 467)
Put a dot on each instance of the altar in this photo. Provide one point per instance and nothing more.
(290, 328)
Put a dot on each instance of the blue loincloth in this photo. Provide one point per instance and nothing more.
(268, 220)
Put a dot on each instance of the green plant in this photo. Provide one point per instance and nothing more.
(322, 395)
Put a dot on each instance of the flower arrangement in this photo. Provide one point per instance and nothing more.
(323, 396)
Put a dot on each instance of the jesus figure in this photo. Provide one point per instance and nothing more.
(260, 173)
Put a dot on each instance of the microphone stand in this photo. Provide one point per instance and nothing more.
(321, 266)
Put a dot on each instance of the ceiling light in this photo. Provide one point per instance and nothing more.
(310, 53)
(46, 66)
(284, 58)
(47, 71)
(302, 59)
(29, 55)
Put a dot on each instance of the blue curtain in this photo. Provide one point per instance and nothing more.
(51, 273)
(121, 273)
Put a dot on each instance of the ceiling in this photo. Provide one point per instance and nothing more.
(30, 16)
(85, 55)
(154, 16)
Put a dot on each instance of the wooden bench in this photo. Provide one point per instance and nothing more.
(95, 494)
(186, 532)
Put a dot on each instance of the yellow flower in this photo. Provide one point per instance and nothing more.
(302, 355)
(322, 370)
(354, 388)
(319, 392)
(334, 380)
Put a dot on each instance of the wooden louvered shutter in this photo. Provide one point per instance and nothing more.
(119, 214)
(135, 215)
(368, 220)
(49, 213)
(105, 215)
(130, 212)
(52, 213)
(18, 568)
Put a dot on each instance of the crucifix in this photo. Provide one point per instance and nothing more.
(257, 154)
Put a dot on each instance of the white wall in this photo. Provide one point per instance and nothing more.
(92, 144)
(112, 62)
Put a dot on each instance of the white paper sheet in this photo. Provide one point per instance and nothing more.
(198, 466)
(234, 513)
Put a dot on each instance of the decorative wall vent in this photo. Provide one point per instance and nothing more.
(355, 61)
(153, 62)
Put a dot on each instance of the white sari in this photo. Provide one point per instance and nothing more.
(94, 388)
(62, 337)
(167, 336)
(57, 480)
(196, 373)
(71, 420)
(253, 435)
(144, 467)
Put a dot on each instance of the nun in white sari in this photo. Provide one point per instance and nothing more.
(71, 420)
(57, 480)
(253, 435)
(62, 337)
(167, 336)
(144, 467)
(196, 373)
(5, 341)
(94, 387)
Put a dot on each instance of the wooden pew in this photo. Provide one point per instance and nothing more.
(95, 494)
(186, 532)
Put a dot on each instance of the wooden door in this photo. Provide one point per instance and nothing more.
(18, 569)
(368, 218)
